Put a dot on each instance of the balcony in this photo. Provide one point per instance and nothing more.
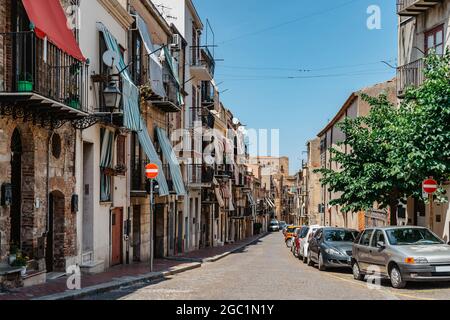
(139, 180)
(39, 82)
(223, 171)
(410, 75)
(414, 7)
(202, 64)
(207, 94)
(169, 103)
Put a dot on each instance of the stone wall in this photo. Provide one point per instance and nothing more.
(35, 190)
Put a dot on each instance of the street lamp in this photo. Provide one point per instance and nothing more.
(112, 96)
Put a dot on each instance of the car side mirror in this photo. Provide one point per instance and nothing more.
(381, 245)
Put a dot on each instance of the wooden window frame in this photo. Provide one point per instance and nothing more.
(121, 151)
(434, 33)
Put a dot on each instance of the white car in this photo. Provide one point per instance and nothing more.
(304, 243)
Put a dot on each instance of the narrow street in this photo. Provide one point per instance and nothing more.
(268, 270)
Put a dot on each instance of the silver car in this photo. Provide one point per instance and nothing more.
(401, 254)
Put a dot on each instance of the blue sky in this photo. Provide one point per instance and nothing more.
(263, 43)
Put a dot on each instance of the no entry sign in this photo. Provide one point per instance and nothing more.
(151, 171)
(430, 186)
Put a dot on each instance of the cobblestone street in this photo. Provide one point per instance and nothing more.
(268, 270)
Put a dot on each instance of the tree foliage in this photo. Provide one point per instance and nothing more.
(393, 149)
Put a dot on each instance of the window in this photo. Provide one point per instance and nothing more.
(106, 156)
(136, 52)
(121, 151)
(365, 238)
(434, 40)
(378, 237)
(412, 236)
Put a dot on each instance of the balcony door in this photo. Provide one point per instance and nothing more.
(22, 43)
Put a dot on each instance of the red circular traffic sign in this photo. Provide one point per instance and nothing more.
(151, 171)
(430, 186)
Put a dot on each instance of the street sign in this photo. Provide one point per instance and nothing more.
(430, 186)
(151, 171)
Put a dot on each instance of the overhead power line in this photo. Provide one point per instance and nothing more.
(315, 14)
(306, 77)
(308, 69)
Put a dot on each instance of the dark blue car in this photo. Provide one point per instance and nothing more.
(331, 248)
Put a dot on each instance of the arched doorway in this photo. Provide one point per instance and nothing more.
(16, 184)
(54, 249)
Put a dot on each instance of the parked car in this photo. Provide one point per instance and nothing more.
(301, 234)
(283, 226)
(274, 226)
(401, 254)
(289, 235)
(304, 243)
(331, 247)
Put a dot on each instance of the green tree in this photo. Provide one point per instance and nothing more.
(394, 149)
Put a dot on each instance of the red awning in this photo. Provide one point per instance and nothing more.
(50, 21)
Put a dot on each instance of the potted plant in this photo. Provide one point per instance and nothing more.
(25, 83)
(21, 261)
(73, 101)
(13, 253)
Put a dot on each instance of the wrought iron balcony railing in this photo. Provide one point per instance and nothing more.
(202, 63)
(31, 65)
(410, 75)
(414, 7)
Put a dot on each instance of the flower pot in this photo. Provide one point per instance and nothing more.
(25, 86)
(12, 258)
(73, 103)
(23, 272)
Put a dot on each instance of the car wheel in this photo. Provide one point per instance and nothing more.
(310, 262)
(396, 278)
(322, 266)
(357, 275)
(304, 257)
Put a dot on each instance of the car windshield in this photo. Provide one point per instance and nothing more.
(304, 232)
(274, 223)
(290, 229)
(411, 236)
(340, 235)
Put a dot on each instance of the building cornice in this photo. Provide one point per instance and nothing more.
(197, 20)
(340, 114)
(118, 12)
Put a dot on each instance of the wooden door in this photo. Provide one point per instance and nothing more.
(116, 236)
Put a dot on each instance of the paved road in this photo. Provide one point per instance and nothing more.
(268, 270)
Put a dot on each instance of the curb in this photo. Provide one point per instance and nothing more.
(191, 264)
(116, 284)
(226, 254)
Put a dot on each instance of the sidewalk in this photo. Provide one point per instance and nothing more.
(125, 275)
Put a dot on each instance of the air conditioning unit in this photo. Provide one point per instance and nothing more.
(176, 42)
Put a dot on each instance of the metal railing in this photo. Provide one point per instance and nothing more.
(403, 4)
(410, 75)
(199, 174)
(30, 64)
(194, 173)
(202, 57)
(139, 180)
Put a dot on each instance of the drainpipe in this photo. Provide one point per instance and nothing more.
(47, 182)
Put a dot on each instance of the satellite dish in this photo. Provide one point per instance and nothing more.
(236, 121)
(111, 58)
(242, 130)
(209, 159)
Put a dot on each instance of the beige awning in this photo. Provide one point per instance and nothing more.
(218, 193)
